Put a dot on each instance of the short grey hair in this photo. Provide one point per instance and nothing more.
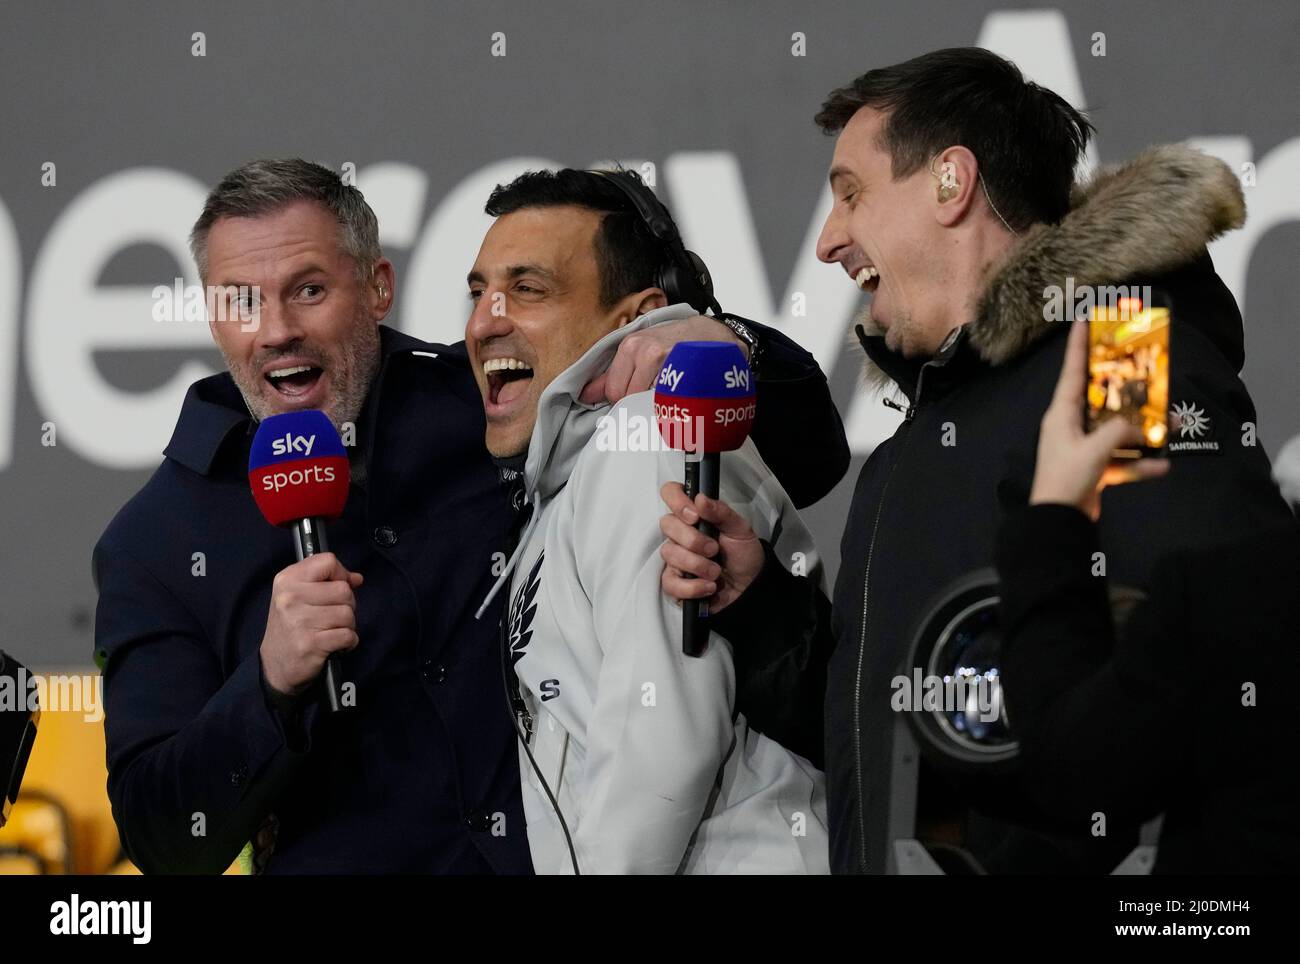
(264, 186)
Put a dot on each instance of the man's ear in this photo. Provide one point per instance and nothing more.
(383, 288)
(955, 183)
(637, 304)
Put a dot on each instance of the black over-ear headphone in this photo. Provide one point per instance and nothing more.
(682, 274)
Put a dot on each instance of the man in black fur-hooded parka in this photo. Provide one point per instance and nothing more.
(956, 207)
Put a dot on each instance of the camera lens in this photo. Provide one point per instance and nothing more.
(966, 658)
(957, 658)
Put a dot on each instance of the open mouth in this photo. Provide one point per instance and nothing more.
(507, 379)
(867, 278)
(294, 381)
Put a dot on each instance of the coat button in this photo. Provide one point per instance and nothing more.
(386, 536)
(478, 821)
(237, 776)
(433, 672)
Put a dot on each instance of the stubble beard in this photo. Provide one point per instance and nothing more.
(351, 373)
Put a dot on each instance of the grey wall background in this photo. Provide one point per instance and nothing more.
(103, 90)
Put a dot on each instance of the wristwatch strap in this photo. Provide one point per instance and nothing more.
(745, 334)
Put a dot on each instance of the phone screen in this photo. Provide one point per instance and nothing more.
(1128, 370)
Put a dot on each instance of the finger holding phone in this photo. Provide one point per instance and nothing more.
(1074, 465)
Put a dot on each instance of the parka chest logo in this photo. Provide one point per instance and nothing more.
(1191, 423)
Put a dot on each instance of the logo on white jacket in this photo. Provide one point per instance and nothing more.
(522, 611)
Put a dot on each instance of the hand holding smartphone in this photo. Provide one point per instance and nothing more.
(1124, 396)
(1128, 370)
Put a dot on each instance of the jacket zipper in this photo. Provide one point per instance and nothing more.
(909, 412)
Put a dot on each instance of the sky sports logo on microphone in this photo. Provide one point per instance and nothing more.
(293, 445)
(308, 475)
(298, 468)
(297, 447)
(722, 415)
(736, 378)
(670, 378)
(704, 397)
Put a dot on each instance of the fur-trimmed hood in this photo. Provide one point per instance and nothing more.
(1142, 219)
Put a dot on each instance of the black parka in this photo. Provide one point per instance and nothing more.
(1185, 709)
(929, 501)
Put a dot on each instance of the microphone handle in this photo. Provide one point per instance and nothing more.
(702, 475)
(309, 540)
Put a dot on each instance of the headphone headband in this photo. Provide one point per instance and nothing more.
(683, 277)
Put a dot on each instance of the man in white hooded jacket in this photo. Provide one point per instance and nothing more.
(635, 761)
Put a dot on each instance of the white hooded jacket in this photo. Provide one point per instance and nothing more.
(652, 768)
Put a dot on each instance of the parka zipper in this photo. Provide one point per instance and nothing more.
(909, 412)
(897, 406)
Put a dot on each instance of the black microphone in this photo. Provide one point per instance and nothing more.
(702, 475)
(299, 474)
(704, 405)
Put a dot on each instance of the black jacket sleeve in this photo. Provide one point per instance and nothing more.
(797, 427)
(196, 759)
(781, 627)
(780, 631)
(1098, 713)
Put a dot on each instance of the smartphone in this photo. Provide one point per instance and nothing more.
(1128, 368)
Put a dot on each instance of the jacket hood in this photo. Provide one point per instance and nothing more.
(1146, 222)
(564, 423)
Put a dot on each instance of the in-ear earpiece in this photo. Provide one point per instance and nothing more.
(948, 185)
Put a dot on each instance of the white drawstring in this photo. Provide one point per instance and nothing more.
(514, 558)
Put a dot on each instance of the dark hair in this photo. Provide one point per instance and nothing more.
(627, 255)
(264, 186)
(1026, 139)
